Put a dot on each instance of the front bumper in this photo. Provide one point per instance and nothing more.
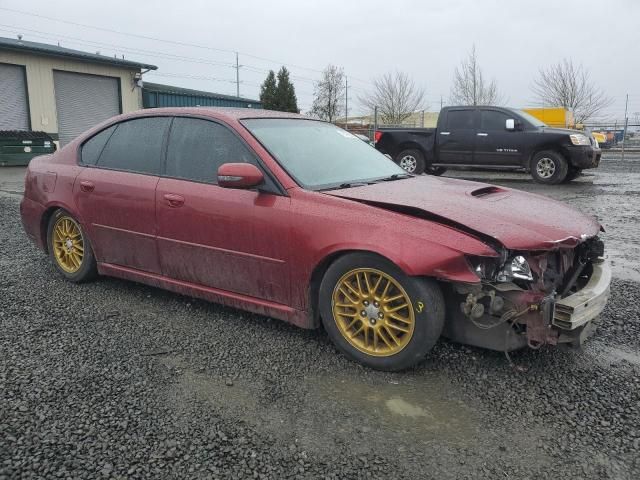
(586, 304)
(584, 157)
(545, 319)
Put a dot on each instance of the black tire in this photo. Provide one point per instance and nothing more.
(411, 160)
(549, 167)
(436, 171)
(425, 300)
(87, 269)
(572, 174)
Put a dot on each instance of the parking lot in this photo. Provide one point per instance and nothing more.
(117, 380)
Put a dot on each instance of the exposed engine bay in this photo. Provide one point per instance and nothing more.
(531, 298)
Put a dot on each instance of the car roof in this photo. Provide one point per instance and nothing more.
(222, 113)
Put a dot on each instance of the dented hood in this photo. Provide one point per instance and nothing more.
(518, 220)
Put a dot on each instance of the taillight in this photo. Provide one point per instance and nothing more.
(376, 136)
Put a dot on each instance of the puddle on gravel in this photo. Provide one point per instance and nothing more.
(422, 408)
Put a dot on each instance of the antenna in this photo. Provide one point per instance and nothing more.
(19, 36)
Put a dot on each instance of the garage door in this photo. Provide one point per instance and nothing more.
(83, 101)
(14, 113)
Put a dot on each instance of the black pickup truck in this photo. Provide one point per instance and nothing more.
(491, 138)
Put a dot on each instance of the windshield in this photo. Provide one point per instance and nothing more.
(530, 118)
(319, 155)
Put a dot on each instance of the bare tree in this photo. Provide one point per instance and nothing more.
(396, 97)
(567, 85)
(469, 85)
(329, 94)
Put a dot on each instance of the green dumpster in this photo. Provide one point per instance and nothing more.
(19, 147)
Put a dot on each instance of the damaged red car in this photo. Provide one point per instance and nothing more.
(299, 220)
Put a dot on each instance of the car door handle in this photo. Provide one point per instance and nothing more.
(87, 186)
(482, 134)
(445, 133)
(173, 200)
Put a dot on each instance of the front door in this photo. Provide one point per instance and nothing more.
(495, 145)
(456, 139)
(115, 193)
(229, 239)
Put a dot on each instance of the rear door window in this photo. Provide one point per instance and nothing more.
(198, 147)
(461, 120)
(136, 146)
(93, 147)
(493, 120)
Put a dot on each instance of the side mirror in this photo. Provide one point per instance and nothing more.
(510, 124)
(239, 175)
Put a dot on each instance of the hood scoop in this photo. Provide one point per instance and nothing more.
(490, 190)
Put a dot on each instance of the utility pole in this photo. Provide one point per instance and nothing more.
(346, 103)
(626, 122)
(237, 77)
(440, 101)
(422, 118)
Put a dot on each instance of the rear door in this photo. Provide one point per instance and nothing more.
(495, 145)
(229, 239)
(456, 138)
(115, 193)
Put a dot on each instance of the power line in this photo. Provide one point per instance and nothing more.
(156, 39)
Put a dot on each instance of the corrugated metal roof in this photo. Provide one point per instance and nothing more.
(56, 51)
(157, 87)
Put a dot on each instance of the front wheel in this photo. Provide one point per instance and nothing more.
(411, 160)
(549, 167)
(70, 248)
(377, 315)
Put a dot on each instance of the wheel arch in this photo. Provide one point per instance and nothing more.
(46, 217)
(410, 145)
(546, 148)
(318, 272)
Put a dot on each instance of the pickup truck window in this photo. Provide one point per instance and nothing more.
(493, 120)
(460, 120)
(530, 118)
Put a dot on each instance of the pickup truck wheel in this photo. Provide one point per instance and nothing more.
(377, 315)
(411, 160)
(549, 167)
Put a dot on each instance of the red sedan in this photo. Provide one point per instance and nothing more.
(300, 220)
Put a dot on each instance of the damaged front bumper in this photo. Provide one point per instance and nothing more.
(533, 319)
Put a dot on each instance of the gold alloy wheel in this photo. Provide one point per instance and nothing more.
(68, 244)
(373, 312)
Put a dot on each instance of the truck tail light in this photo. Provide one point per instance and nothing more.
(376, 136)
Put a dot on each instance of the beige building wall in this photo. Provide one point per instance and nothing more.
(40, 90)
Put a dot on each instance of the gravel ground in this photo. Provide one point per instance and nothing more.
(117, 380)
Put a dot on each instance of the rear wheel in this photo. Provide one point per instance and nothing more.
(411, 160)
(70, 248)
(377, 315)
(549, 167)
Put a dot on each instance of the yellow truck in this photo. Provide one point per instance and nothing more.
(553, 116)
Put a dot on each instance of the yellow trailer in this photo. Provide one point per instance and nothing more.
(553, 116)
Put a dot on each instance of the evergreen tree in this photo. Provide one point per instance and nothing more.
(268, 92)
(286, 100)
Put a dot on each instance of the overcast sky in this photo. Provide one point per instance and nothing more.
(367, 38)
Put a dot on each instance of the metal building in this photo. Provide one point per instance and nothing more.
(155, 95)
(61, 91)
